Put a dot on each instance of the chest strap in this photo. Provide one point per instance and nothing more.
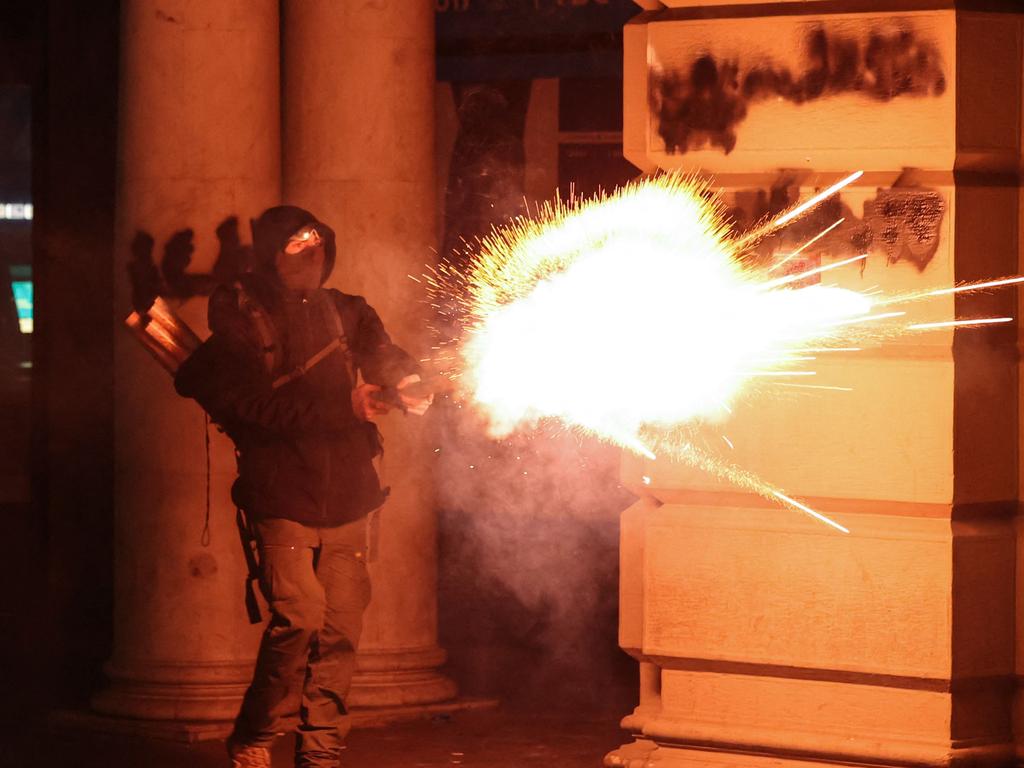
(340, 342)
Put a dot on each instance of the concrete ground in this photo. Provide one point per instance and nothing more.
(498, 738)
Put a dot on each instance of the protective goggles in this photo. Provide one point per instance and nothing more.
(307, 237)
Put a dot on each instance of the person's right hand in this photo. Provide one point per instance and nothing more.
(366, 405)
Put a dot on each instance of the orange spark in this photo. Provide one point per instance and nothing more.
(797, 211)
(959, 323)
(780, 281)
(804, 508)
(806, 245)
(963, 288)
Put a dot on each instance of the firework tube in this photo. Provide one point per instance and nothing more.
(165, 335)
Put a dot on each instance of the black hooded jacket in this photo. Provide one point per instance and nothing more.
(302, 453)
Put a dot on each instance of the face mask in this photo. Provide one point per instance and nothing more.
(301, 271)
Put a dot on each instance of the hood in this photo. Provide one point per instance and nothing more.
(273, 228)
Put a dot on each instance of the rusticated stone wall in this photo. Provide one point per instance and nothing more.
(763, 635)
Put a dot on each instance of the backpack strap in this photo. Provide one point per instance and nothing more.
(270, 348)
(329, 308)
(250, 550)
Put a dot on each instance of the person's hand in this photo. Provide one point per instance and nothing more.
(366, 404)
(415, 404)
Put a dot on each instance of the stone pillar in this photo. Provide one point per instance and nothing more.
(199, 141)
(631, 590)
(775, 638)
(358, 152)
(1018, 716)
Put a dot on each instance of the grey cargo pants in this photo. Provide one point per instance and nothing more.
(316, 585)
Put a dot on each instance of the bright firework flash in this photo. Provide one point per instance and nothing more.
(562, 313)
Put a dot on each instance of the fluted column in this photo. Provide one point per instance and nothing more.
(776, 639)
(358, 152)
(198, 142)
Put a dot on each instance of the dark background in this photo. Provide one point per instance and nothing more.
(58, 549)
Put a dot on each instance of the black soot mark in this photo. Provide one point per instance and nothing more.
(702, 105)
(905, 224)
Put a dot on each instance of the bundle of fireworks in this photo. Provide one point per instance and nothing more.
(164, 334)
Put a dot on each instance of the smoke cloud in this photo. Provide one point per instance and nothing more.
(529, 562)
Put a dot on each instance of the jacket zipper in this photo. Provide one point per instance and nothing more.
(319, 296)
(327, 481)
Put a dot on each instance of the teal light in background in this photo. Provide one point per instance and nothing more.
(21, 285)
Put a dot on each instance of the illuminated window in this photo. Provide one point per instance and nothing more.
(16, 211)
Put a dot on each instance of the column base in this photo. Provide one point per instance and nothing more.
(193, 732)
(400, 678)
(183, 698)
(671, 757)
(678, 756)
(201, 692)
(633, 755)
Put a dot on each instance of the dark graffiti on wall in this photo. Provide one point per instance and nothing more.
(901, 223)
(701, 105)
(905, 224)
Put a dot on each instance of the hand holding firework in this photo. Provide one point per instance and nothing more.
(412, 394)
(367, 402)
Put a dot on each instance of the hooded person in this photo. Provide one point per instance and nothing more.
(280, 375)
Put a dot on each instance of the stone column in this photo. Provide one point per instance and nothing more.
(199, 141)
(776, 639)
(358, 152)
(1018, 715)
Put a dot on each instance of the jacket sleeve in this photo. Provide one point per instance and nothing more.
(235, 390)
(381, 361)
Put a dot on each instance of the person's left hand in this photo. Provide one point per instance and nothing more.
(366, 404)
(413, 404)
